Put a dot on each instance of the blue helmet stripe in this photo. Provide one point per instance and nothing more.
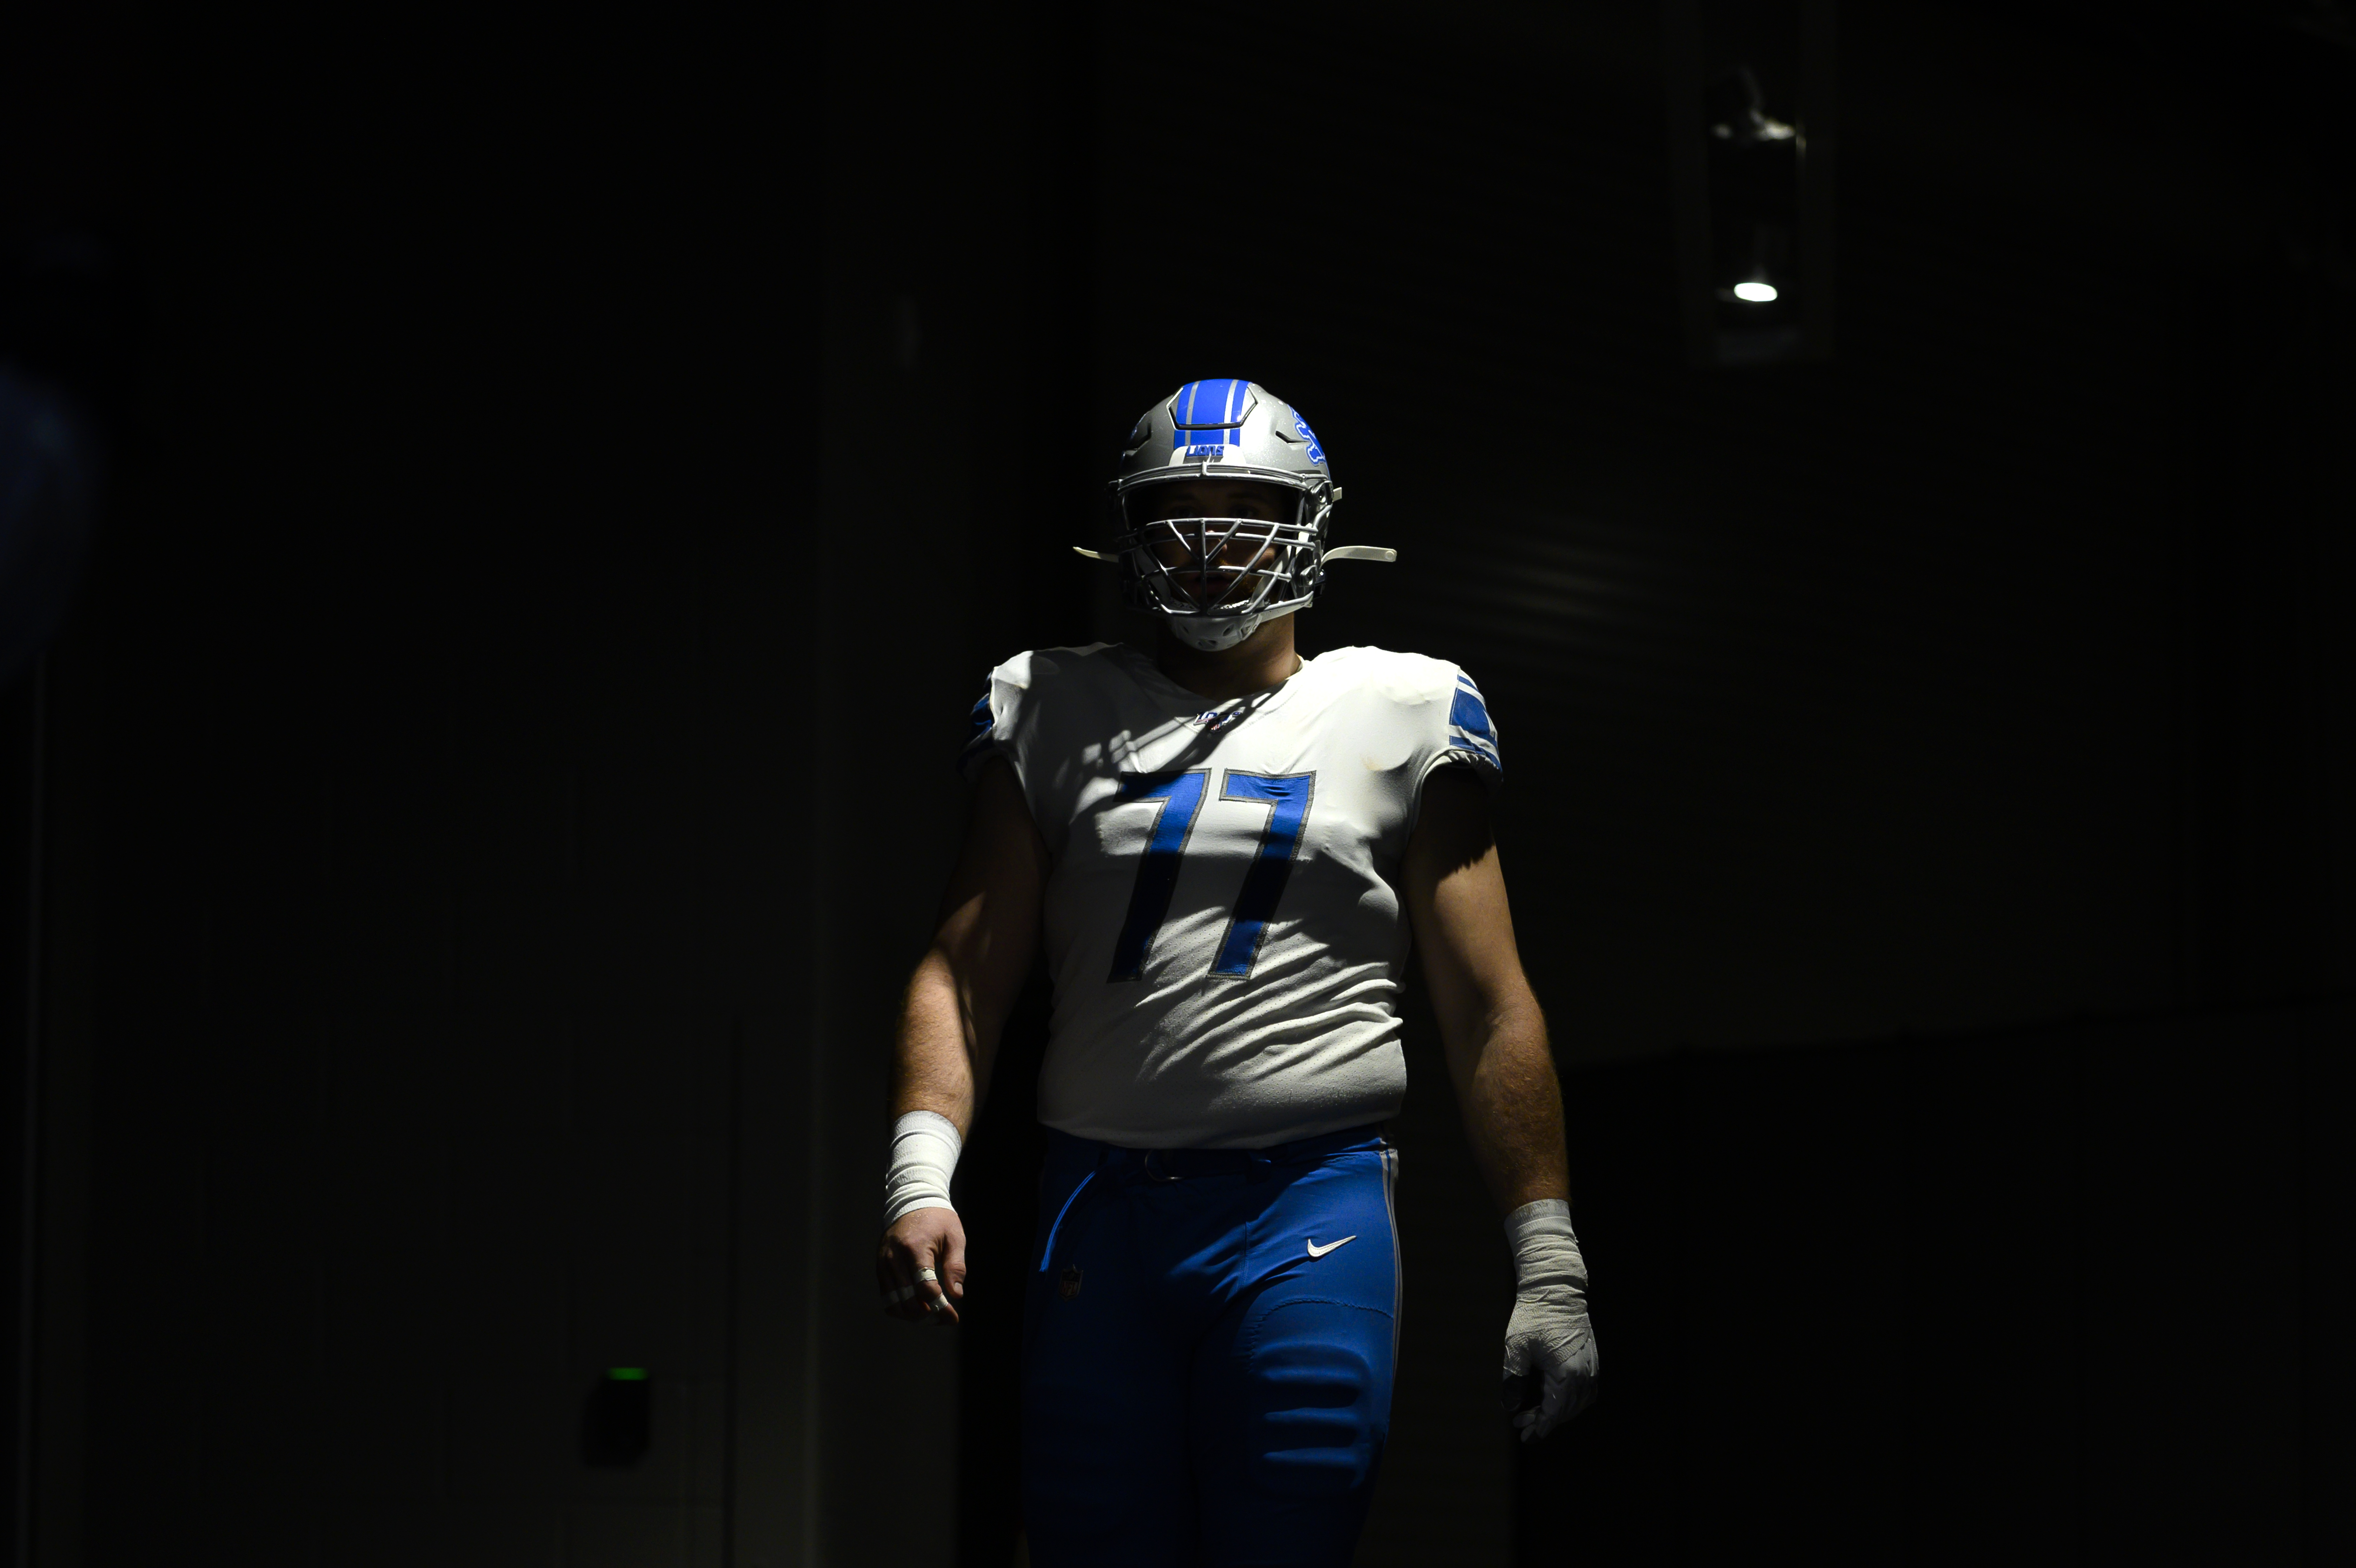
(1207, 406)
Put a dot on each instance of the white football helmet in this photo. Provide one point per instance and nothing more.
(1224, 429)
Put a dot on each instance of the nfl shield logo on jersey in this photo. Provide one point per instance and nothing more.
(1068, 1285)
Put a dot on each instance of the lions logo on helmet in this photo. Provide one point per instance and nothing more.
(1224, 430)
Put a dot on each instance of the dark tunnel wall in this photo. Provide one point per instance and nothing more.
(2059, 1296)
(497, 772)
(1876, 695)
(429, 964)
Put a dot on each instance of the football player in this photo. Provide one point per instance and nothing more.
(1226, 848)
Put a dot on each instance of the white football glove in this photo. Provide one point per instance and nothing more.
(1549, 1347)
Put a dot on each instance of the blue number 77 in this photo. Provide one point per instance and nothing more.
(1178, 800)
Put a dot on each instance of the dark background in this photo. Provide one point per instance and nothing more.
(568, 474)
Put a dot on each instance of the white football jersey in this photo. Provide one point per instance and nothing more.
(1223, 921)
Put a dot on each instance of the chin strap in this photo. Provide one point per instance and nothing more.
(1213, 633)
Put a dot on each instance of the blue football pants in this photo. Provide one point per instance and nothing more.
(1209, 1337)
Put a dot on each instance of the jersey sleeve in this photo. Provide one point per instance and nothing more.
(1002, 721)
(1036, 713)
(981, 740)
(1469, 737)
(1472, 734)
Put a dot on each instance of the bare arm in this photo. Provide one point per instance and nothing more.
(1490, 1026)
(1497, 1046)
(951, 1017)
(967, 980)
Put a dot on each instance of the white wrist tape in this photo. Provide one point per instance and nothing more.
(924, 1149)
(1545, 1249)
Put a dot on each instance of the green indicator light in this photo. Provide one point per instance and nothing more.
(626, 1374)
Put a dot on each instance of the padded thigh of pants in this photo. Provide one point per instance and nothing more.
(1304, 1390)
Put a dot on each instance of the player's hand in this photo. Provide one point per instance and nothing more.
(920, 1266)
(1549, 1345)
(1550, 1359)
